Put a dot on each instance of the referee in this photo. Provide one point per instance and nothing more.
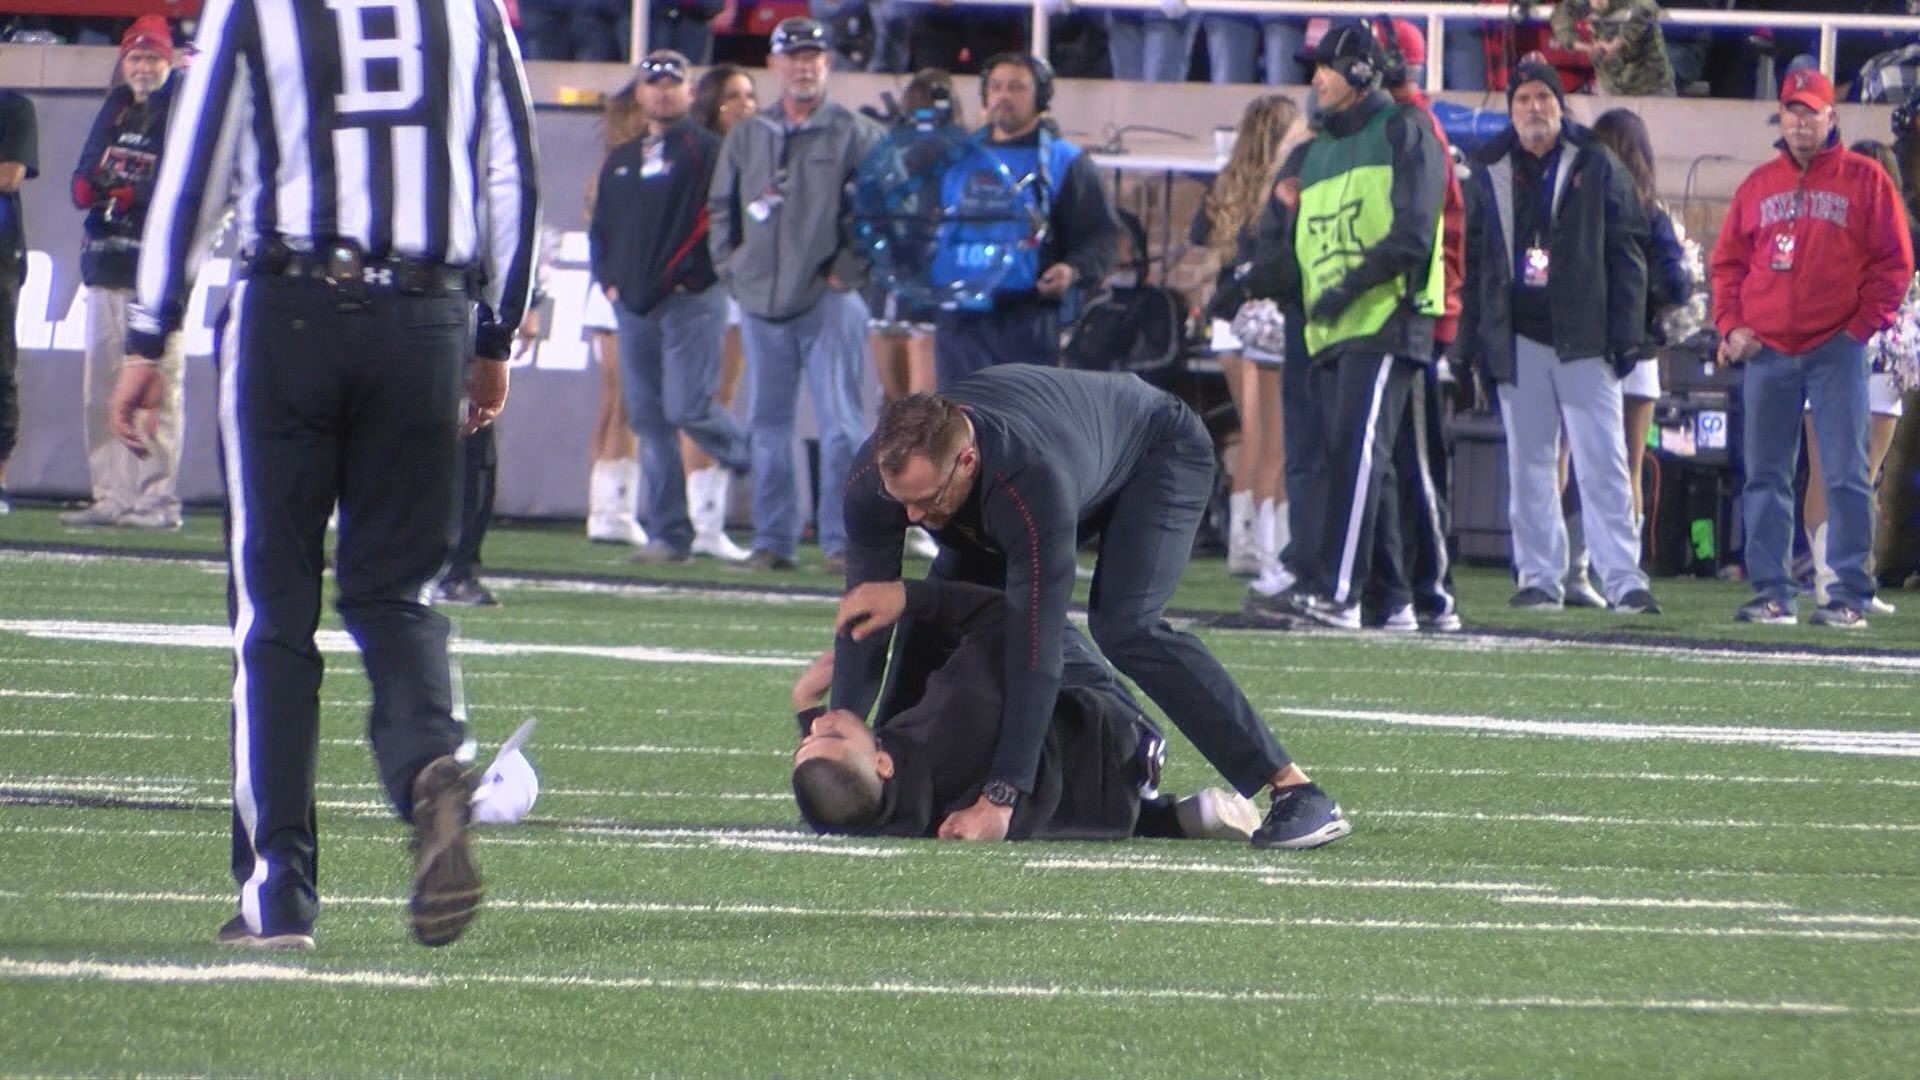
(378, 156)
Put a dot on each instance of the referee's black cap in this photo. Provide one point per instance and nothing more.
(797, 34)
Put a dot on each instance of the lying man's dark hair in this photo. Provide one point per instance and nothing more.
(834, 797)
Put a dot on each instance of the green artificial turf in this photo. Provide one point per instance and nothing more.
(1577, 858)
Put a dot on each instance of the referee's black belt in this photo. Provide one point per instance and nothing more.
(344, 265)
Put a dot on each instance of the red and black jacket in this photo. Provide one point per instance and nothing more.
(649, 230)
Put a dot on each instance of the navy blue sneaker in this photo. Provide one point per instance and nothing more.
(1302, 816)
(237, 933)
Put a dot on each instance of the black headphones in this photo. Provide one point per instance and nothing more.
(1360, 71)
(1905, 113)
(1393, 62)
(1042, 76)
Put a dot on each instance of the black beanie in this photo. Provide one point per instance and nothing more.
(1527, 71)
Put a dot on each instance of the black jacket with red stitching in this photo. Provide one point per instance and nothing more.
(1056, 446)
(649, 228)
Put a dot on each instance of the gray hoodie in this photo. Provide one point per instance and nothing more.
(777, 206)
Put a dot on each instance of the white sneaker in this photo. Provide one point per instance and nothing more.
(1880, 607)
(921, 544)
(1217, 814)
(94, 516)
(1273, 580)
(1399, 621)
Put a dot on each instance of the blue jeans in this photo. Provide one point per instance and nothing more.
(1150, 48)
(893, 22)
(1466, 53)
(828, 341)
(1235, 43)
(669, 370)
(1832, 378)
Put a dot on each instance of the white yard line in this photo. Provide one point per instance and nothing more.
(1892, 743)
(1084, 918)
(149, 736)
(1642, 823)
(254, 972)
(1652, 902)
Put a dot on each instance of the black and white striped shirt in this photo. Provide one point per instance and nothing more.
(401, 125)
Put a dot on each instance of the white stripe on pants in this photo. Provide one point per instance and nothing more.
(1585, 396)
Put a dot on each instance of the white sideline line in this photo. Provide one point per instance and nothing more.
(1647, 902)
(202, 699)
(1279, 874)
(1275, 922)
(188, 789)
(177, 974)
(1893, 743)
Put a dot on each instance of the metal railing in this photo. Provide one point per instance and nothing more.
(1436, 16)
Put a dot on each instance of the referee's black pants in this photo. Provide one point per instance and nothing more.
(322, 401)
(1363, 397)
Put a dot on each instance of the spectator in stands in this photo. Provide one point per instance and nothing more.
(113, 182)
(1152, 46)
(1554, 315)
(1890, 363)
(650, 250)
(1812, 260)
(686, 26)
(1669, 282)
(19, 162)
(1624, 42)
(1238, 44)
(777, 206)
(1024, 315)
(1257, 527)
(584, 30)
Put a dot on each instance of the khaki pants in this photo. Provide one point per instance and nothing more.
(120, 480)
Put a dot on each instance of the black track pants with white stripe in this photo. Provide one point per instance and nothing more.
(1362, 398)
(319, 403)
(1411, 564)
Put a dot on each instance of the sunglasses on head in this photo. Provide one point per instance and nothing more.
(664, 68)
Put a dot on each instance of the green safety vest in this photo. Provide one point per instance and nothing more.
(1346, 207)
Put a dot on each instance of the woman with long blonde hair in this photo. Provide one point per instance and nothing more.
(613, 479)
(1270, 126)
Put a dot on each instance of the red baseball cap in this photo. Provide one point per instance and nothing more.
(1809, 88)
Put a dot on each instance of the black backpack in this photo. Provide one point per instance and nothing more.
(1136, 328)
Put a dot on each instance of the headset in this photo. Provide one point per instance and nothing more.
(1393, 62)
(1361, 72)
(1042, 76)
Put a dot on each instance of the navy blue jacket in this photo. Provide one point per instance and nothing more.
(648, 237)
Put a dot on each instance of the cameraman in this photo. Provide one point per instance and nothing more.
(1079, 243)
(114, 183)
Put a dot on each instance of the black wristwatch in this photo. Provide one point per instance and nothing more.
(1000, 793)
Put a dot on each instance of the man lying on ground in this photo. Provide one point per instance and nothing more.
(931, 749)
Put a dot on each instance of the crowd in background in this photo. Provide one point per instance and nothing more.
(697, 209)
(1618, 46)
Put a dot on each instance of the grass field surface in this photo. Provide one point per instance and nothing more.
(1583, 847)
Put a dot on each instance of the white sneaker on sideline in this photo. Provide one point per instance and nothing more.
(1274, 579)
(921, 544)
(615, 529)
(1217, 814)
